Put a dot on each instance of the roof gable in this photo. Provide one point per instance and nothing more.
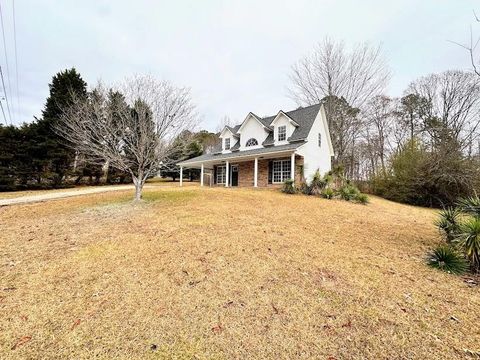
(281, 113)
(256, 118)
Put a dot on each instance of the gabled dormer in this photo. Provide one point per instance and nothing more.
(283, 127)
(229, 139)
(253, 132)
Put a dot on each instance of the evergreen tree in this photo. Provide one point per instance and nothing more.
(52, 155)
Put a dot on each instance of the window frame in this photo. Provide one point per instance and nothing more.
(221, 176)
(281, 171)
(253, 140)
(282, 132)
(227, 144)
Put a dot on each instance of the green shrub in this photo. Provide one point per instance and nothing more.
(448, 222)
(349, 192)
(288, 187)
(470, 205)
(328, 193)
(317, 184)
(447, 259)
(468, 239)
(304, 189)
(362, 198)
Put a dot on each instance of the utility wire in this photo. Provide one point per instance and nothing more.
(6, 98)
(6, 62)
(16, 57)
(3, 112)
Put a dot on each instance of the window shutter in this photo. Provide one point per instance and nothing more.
(214, 174)
(270, 170)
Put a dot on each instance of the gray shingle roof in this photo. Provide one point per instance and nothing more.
(304, 117)
(261, 151)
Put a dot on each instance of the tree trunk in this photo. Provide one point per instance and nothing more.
(138, 182)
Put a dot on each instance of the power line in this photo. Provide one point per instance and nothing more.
(6, 97)
(16, 57)
(3, 112)
(6, 62)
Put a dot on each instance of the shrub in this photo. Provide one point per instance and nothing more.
(349, 192)
(317, 184)
(304, 189)
(470, 205)
(288, 187)
(448, 222)
(469, 240)
(328, 193)
(362, 198)
(447, 259)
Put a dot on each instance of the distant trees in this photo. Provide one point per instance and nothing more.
(422, 148)
(132, 129)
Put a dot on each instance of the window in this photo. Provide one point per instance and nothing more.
(221, 174)
(281, 171)
(251, 142)
(227, 144)
(319, 140)
(282, 133)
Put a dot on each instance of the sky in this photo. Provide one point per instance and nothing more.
(235, 56)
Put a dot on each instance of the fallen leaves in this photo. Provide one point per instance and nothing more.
(23, 340)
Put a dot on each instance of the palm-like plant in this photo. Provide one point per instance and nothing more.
(449, 222)
(469, 240)
(470, 205)
(447, 259)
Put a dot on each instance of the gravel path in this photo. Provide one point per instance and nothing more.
(61, 194)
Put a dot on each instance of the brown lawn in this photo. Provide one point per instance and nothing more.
(227, 273)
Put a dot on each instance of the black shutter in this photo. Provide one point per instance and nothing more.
(214, 174)
(270, 171)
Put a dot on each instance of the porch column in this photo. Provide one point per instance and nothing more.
(201, 175)
(255, 173)
(292, 167)
(181, 175)
(227, 173)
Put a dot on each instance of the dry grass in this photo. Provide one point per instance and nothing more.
(216, 273)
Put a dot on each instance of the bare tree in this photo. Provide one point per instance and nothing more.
(224, 121)
(331, 70)
(453, 110)
(472, 47)
(132, 128)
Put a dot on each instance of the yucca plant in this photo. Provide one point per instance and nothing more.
(448, 259)
(349, 192)
(362, 199)
(317, 184)
(470, 205)
(448, 222)
(328, 193)
(288, 187)
(468, 239)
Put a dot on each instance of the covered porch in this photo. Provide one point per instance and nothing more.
(244, 170)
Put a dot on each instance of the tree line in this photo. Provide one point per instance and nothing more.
(133, 131)
(421, 148)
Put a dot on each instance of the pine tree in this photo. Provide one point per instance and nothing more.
(53, 156)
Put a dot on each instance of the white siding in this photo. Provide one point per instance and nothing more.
(315, 157)
(252, 129)
(282, 120)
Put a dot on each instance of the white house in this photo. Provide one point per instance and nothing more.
(263, 152)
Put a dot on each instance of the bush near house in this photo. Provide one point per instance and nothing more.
(332, 185)
(460, 227)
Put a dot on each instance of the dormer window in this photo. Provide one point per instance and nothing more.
(282, 133)
(227, 144)
(251, 142)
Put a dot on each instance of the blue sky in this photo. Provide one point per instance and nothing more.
(234, 55)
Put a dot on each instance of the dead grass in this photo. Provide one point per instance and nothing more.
(216, 273)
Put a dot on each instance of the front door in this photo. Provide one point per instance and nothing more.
(234, 175)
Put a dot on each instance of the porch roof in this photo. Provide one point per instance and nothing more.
(241, 154)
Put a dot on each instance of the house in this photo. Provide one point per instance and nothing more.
(263, 152)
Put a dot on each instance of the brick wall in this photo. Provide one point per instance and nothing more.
(246, 171)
